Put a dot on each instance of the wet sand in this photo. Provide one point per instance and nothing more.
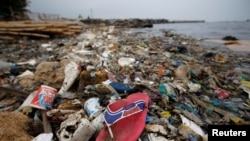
(239, 46)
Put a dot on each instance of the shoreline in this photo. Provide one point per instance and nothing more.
(236, 46)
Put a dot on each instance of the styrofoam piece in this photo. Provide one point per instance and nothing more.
(72, 71)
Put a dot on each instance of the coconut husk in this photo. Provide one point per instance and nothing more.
(13, 127)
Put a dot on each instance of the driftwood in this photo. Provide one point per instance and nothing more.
(41, 29)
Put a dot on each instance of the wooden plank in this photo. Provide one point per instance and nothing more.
(24, 34)
(16, 25)
(74, 30)
(75, 27)
(68, 33)
(6, 38)
(22, 29)
(40, 28)
(53, 30)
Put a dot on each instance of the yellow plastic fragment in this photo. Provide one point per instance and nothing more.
(246, 83)
(166, 114)
(141, 47)
(235, 119)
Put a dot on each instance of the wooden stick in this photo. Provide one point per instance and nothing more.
(46, 125)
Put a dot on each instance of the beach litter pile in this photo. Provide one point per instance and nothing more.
(110, 83)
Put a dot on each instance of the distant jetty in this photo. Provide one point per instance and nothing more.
(187, 21)
(136, 23)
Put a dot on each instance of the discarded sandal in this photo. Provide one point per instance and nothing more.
(125, 119)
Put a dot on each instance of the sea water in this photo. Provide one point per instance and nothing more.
(204, 30)
(210, 30)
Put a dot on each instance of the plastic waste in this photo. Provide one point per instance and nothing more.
(16, 69)
(26, 73)
(127, 79)
(5, 67)
(92, 107)
(192, 126)
(72, 71)
(165, 114)
(114, 98)
(156, 137)
(43, 137)
(222, 94)
(167, 89)
(148, 119)
(111, 29)
(246, 89)
(59, 115)
(98, 122)
(12, 68)
(193, 87)
(44, 97)
(110, 37)
(156, 129)
(192, 137)
(46, 45)
(220, 58)
(80, 128)
(161, 70)
(176, 63)
(31, 62)
(162, 89)
(246, 83)
(89, 35)
(27, 101)
(69, 104)
(182, 72)
(126, 61)
(121, 87)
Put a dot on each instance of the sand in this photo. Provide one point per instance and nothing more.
(240, 45)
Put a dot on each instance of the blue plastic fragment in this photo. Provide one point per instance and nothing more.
(148, 119)
(215, 102)
(122, 88)
(209, 111)
(162, 89)
(192, 137)
(170, 121)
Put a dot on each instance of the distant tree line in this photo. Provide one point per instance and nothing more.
(13, 9)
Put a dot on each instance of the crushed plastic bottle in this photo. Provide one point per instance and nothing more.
(163, 91)
(222, 94)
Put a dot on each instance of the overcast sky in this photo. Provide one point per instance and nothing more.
(209, 10)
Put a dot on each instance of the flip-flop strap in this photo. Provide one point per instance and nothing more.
(112, 117)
